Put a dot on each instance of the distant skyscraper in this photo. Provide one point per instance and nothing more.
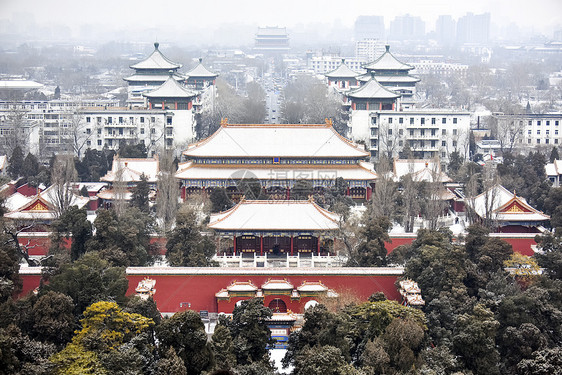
(474, 28)
(369, 27)
(407, 28)
(445, 30)
(369, 49)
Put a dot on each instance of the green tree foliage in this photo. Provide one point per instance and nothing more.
(554, 154)
(171, 364)
(101, 346)
(474, 340)
(133, 151)
(140, 198)
(547, 361)
(53, 318)
(123, 240)
(186, 245)
(374, 233)
(94, 164)
(322, 360)
(185, 332)
(15, 166)
(219, 200)
(249, 331)
(74, 224)
(550, 257)
(88, 280)
(223, 347)
(10, 281)
(30, 166)
(21, 355)
(553, 207)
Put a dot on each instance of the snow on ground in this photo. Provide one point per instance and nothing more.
(277, 355)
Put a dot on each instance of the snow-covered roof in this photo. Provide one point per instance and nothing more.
(282, 317)
(554, 168)
(92, 187)
(505, 206)
(342, 71)
(310, 286)
(362, 171)
(15, 201)
(372, 90)
(3, 162)
(19, 84)
(170, 89)
(200, 71)
(277, 285)
(111, 195)
(242, 286)
(273, 272)
(42, 206)
(421, 170)
(270, 215)
(156, 60)
(131, 169)
(387, 62)
(283, 140)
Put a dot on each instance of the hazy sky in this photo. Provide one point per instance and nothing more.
(538, 14)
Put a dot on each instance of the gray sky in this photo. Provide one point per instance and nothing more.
(538, 14)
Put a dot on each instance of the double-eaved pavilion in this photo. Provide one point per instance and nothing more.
(276, 229)
(277, 156)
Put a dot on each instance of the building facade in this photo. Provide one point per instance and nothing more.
(528, 131)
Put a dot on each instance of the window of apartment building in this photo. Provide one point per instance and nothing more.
(529, 140)
(556, 123)
(99, 119)
(422, 144)
(120, 119)
(433, 121)
(547, 141)
(120, 131)
(538, 132)
(400, 143)
(152, 131)
(110, 120)
(530, 123)
(390, 120)
(443, 132)
(433, 132)
(443, 143)
(432, 143)
(538, 122)
(454, 131)
(169, 131)
(547, 122)
(373, 132)
(99, 142)
(110, 142)
(411, 132)
(454, 143)
(529, 131)
(99, 131)
(422, 132)
(547, 132)
(88, 131)
(400, 132)
(443, 154)
(538, 141)
(142, 120)
(169, 120)
(169, 142)
(411, 121)
(88, 119)
(422, 120)
(152, 119)
(88, 143)
(131, 131)
(401, 120)
(373, 120)
(444, 120)
(556, 140)
(142, 130)
(389, 143)
(131, 120)
(389, 131)
(454, 120)
(373, 143)
(555, 131)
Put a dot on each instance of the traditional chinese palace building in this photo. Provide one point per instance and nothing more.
(268, 232)
(277, 156)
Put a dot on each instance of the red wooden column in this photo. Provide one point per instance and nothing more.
(369, 191)
(288, 193)
(234, 247)
(347, 192)
(318, 238)
(291, 245)
(261, 244)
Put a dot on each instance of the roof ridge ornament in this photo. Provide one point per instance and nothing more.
(156, 45)
(224, 121)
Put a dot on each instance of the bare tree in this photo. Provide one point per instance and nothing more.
(410, 202)
(509, 130)
(119, 187)
(384, 197)
(389, 137)
(434, 194)
(14, 130)
(167, 195)
(62, 175)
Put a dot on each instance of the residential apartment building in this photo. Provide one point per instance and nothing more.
(528, 131)
(428, 133)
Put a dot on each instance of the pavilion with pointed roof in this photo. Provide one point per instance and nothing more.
(510, 213)
(286, 227)
(171, 95)
(342, 77)
(151, 73)
(276, 156)
(392, 74)
(373, 96)
(200, 77)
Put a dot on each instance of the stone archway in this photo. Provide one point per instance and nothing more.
(277, 305)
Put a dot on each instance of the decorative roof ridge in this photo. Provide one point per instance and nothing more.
(227, 213)
(493, 187)
(516, 199)
(368, 170)
(37, 197)
(324, 212)
(373, 80)
(387, 51)
(341, 137)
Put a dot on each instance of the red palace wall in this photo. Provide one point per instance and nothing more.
(196, 291)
